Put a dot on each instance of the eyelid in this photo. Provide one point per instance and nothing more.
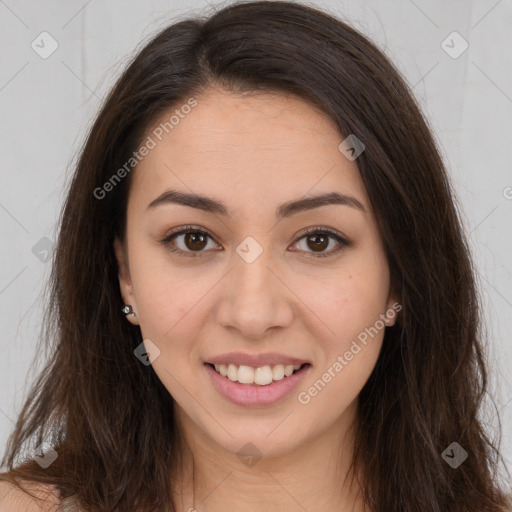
(182, 230)
(343, 241)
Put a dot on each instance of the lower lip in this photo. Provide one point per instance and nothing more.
(253, 395)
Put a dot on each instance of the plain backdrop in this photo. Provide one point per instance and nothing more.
(59, 58)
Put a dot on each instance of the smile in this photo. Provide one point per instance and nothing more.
(249, 386)
(261, 376)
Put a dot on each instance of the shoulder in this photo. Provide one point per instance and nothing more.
(14, 499)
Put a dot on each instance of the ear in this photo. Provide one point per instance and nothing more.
(125, 283)
(393, 309)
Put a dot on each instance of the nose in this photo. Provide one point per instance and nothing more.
(255, 298)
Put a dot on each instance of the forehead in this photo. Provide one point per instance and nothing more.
(245, 148)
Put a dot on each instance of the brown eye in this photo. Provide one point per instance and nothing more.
(188, 241)
(195, 241)
(318, 241)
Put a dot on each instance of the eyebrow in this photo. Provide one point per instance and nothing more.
(287, 209)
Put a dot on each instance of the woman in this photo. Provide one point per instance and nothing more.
(262, 294)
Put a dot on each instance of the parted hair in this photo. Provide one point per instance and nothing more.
(110, 419)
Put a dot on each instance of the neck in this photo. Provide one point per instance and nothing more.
(314, 476)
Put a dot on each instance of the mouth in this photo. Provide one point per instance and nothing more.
(256, 386)
(257, 376)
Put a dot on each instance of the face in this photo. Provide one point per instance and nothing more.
(242, 282)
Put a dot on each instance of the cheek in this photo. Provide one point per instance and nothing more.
(347, 355)
(166, 296)
(347, 320)
(348, 301)
(166, 310)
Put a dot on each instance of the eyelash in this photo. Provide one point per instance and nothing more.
(343, 243)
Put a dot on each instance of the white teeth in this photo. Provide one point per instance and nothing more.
(245, 375)
(261, 376)
(288, 370)
(232, 372)
(278, 372)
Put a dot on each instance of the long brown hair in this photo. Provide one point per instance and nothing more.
(110, 419)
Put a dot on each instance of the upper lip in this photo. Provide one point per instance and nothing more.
(255, 360)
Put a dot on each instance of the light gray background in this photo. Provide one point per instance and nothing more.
(47, 104)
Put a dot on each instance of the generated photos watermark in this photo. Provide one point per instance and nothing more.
(304, 397)
(150, 143)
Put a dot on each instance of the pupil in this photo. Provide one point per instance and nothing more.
(197, 241)
(194, 237)
(323, 244)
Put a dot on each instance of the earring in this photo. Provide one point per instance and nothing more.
(127, 310)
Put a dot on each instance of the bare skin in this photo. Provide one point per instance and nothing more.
(255, 153)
